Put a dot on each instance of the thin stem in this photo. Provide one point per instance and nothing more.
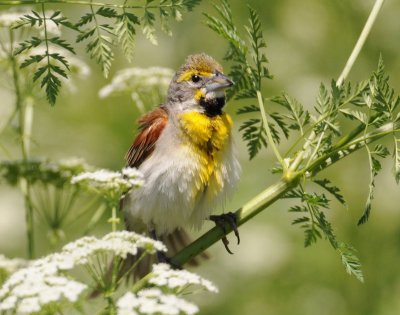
(361, 41)
(268, 130)
(24, 134)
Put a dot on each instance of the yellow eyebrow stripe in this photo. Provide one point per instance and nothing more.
(186, 76)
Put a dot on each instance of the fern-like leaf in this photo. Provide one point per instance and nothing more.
(125, 30)
(255, 136)
(351, 261)
(326, 184)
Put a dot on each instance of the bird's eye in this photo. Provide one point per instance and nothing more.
(195, 78)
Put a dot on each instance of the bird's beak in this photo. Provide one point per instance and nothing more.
(218, 82)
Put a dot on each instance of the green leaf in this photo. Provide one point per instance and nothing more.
(52, 85)
(297, 115)
(32, 59)
(298, 208)
(100, 50)
(255, 136)
(279, 119)
(58, 19)
(62, 43)
(325, 183)
(28, 44)
(84, 35)
(148, 30)
(375, 166)
(85, 19)
(248, 109)
(355, 114)
(311, 235)
(59, 71)
(107, 12)
(60, 58)
(190, 4)
(39, 72)
(125, 30)
(301, 220)
(351, 261)
(27, 19)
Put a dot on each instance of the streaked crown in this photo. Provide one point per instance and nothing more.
(200, 64)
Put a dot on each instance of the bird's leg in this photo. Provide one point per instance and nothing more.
(221, 221)
(161, 256)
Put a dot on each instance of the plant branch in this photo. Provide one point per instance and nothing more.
(268, 130)
(361, 41)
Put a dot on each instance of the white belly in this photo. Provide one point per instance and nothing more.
(171, 196)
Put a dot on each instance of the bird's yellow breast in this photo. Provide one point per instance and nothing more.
(207, 138)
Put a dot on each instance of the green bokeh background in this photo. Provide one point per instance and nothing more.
(309, 42)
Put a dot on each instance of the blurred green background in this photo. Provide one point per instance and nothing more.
(308, 42)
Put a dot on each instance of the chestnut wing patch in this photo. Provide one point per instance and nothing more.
(150, 125)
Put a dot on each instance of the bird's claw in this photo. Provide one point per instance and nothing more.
(221, 221)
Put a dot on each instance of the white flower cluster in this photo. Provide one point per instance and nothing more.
(10, 265)
(120, 243)
(164, 276)
(8, 18)
(109, 183)
(154, 301)
(29, 289)
(143, 84)
(133, 79)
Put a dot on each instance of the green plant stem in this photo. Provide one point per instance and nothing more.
(275, 192)
(361, 41)
(268, 130)
(114, 220)
(24, 133)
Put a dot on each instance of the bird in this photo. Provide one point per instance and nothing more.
(186, 153)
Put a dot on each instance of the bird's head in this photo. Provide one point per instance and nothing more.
(199, 85)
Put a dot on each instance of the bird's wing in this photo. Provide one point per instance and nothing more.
(150, 125)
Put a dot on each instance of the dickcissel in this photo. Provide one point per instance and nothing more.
(186, 153)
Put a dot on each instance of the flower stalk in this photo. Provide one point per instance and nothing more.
(25, 114)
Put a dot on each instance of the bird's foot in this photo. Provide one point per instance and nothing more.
(221, 221)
